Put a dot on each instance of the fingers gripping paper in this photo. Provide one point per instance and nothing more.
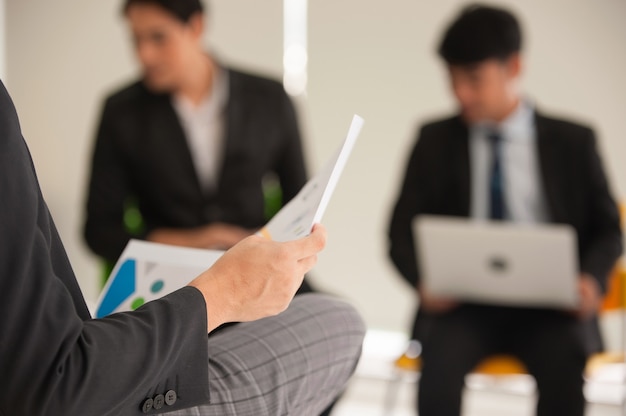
(146, 271)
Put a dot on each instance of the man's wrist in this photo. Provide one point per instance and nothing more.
(215, 300)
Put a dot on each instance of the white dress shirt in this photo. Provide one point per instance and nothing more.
(203, 126)
(523, 188)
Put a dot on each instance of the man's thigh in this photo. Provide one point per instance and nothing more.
(461, 338)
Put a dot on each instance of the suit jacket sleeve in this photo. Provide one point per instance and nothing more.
(291, 168)
(54, 359)
(410, 203)
(603, 241)
(109, 190)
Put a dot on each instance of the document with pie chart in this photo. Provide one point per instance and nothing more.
(146, 271)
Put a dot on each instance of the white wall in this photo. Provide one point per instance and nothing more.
(369, 57)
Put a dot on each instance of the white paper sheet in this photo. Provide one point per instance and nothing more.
(296, 219)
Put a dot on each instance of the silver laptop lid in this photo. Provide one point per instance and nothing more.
(498, 262)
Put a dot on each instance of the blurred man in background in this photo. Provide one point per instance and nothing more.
(502, 159)
(190, 145)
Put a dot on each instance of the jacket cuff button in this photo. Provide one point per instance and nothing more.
(170, 397)
(147, 405)
(159, 401)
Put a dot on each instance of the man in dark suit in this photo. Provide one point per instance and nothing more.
(55, 360)
(192, 143)
(501, 159)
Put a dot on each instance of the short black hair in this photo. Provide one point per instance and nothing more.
(481, 32)
(181, 9)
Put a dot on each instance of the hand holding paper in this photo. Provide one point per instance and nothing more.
(243, 285)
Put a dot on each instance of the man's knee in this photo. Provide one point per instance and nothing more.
(560, 374)
(559, 360)
(334, 314)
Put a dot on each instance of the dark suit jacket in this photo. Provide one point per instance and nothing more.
(437, 181)
(141, 152)
(55, 360)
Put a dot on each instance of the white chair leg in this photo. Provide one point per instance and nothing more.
(391, 395)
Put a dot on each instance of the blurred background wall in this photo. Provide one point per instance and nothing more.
(368, 57)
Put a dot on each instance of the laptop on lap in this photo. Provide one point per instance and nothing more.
(498, 263)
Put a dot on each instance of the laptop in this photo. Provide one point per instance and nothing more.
(498, 263)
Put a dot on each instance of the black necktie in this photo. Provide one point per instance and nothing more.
(497, 206)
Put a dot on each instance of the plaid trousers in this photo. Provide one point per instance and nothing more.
(295, 363)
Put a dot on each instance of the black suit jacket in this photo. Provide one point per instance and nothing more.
(437, 181)
(56, 360)
(141, 152)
